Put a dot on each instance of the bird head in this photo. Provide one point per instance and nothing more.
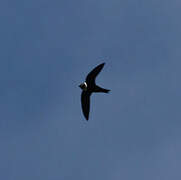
(83, 86)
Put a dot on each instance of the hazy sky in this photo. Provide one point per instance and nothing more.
(48, 47)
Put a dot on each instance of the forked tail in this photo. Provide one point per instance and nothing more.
(99, 89)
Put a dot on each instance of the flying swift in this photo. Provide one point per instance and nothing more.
(89, 87)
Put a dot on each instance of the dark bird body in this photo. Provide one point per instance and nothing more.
(89, 87)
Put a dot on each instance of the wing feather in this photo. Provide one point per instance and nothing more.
(92, 75)
(85, 101)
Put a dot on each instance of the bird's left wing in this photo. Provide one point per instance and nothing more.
(85, 101)
(92, 75)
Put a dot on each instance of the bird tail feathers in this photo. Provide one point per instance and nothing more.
(99, 89)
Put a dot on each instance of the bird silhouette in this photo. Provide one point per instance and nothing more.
(89, 87)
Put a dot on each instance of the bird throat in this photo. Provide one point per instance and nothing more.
(85, 86)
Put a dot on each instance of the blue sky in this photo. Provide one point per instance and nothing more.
(47, 49)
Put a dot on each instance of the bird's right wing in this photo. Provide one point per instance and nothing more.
(92, 75)
(85, 101)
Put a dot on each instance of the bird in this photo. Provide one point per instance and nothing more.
(88, 87)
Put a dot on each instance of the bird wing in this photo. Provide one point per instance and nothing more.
(85, 100)
(92, 75)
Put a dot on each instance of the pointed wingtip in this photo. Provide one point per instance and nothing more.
(102, 64)
(86, 117)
